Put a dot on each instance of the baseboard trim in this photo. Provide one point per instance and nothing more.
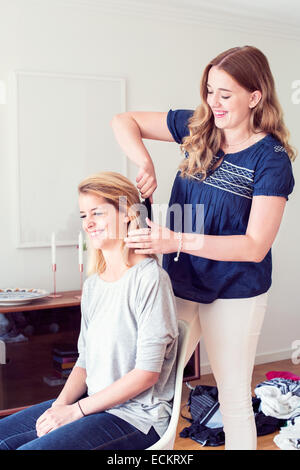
(262, 358)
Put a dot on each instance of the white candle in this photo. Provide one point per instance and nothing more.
(53, 248)
(80, 251)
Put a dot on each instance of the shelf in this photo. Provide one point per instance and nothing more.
(21, 379)
(67, 299)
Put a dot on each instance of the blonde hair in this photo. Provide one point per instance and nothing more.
(115, 189)
(250, 68)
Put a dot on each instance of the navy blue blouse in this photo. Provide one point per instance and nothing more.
(226, 194)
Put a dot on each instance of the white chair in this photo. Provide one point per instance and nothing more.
(2, 352)
(166, 442)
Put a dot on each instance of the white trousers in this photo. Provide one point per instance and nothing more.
(230, 329)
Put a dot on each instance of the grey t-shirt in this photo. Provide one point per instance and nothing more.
(127, 324)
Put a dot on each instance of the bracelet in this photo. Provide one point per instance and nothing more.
(81, 409)
(179, 247)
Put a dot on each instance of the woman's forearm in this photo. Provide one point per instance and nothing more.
(74, 387)
(223, 248)
(128, 136)
(123, 389)
(263, 225)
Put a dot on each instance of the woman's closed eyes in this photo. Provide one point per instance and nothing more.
(83, 216)
(224, 97)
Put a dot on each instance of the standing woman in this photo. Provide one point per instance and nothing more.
(238, 166)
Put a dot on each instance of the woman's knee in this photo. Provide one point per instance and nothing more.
(235, 400)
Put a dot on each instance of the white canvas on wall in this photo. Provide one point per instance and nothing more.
(64, 135)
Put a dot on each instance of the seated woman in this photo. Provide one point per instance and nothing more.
(119, 393)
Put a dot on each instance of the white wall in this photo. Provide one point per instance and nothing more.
(162, 62)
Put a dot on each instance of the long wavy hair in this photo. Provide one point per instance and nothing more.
(250, 68)
(117, 190)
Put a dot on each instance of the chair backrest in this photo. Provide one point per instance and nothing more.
(166, 442)
(2, 352)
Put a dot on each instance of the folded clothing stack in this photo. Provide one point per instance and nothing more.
(273, 374)
(289, 436)
(280, 398)
(206, 419)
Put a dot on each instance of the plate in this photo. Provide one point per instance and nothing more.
(20, 296)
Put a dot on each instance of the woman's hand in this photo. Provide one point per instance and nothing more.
(153, 240)
(146, 182)
(57, 416)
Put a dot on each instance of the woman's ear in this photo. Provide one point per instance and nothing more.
(254, 99)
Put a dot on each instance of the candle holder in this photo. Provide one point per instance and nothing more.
(54, 295)
(81, 280)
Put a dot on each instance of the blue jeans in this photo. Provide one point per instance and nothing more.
(98, 431)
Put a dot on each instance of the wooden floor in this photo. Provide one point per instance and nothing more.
(264, 442)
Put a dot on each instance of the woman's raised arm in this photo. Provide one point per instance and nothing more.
(130, 129)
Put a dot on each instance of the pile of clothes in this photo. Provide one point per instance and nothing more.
(276, 406)
(280, 398)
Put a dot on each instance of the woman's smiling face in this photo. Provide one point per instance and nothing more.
(230, 103)
(101, 221)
